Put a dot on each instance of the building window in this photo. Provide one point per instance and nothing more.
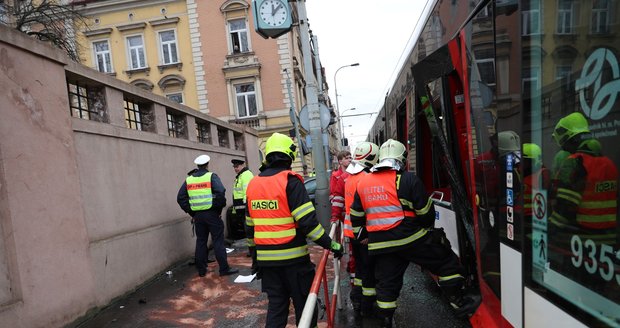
(176, 97)
(246, 100)
(530, 17)
(238, 36)
(79, 102)
(222, 136)
(204, 132)
(565, 17)
(531, 81)
(239, 141)
(133, 115)
(103, 56)
(600, 16)
(168, 52)
(137, 57)
(176, 125)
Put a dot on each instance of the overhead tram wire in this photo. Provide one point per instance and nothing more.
(417, 30)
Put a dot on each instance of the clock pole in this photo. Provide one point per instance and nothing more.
(323, 207)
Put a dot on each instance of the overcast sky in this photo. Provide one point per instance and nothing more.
(371, 33)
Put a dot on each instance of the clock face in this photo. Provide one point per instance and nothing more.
(273, 12)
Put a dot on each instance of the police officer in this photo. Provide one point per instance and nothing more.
(280, 217)
(363, 293)
(202, 196)
(392, 207)
(244, 175)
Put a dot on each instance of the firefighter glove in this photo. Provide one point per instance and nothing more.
(336, 248)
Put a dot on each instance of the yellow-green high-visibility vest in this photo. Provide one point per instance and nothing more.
(241, 185)
(199, 191)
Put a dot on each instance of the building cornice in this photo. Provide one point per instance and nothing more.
(107, 6)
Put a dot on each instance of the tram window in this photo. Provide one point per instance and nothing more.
(571, 181)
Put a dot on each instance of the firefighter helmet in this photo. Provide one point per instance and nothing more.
(533, 152)
(570, 126)
(392, 154)
(280, 143)
(508, 142)
(592, 147)
(366, 153)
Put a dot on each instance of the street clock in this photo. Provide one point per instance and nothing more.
(272, 18)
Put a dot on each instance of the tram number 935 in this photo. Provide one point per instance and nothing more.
(585, 254)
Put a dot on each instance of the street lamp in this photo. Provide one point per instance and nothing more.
(342, 124)
(336, 92)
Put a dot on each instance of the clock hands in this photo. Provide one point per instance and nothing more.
(274, 11)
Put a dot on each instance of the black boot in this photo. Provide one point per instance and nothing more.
(385, 317)
(464, 305)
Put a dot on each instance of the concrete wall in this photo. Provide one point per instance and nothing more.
(88, 209)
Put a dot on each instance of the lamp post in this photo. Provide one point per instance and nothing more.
(342, 136)
(336, 92)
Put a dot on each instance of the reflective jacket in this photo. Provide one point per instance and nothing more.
(279, 218)
(241, 185)
(598, 206)
(199, 191)
(336, 194)
(349, 193)
(394, 208)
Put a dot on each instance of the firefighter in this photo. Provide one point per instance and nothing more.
(202, 196)
(363, 293)
(336, 197)
(280, 217)
(537, 176)
(585, 204)
(392, 207)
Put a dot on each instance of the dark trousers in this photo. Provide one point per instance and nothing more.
(429, 253)
(203, 227)
(364, 270)
(283, 284)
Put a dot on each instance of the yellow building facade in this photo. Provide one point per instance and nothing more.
(145, 43)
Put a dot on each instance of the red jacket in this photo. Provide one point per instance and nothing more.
(336, 194)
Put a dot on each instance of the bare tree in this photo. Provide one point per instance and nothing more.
(52, 21)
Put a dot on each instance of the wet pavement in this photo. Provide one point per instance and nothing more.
(183, 299)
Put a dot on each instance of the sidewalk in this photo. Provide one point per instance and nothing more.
(186, 300)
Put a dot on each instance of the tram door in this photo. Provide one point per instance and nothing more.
(453, 125)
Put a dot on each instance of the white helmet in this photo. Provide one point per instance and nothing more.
(365, 155)
(202, 160)
(509, 142)
(392, 154)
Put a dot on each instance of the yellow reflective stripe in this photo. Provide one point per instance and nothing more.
(356, 229)
(406, 202)
(444, 278)
(560, 221)
(596, 218)
(386, 305)
(316, 233)
(272, 221)
(249, 222)
(281, 254)
(302, 210)
(369, 291)
(569, 195)
(251, 242)
(274, 234)
(399, 242)
(357, 282)
(356, 213)
(397, 181)
(426, 208)
(599, 204)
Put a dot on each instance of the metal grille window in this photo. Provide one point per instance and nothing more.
(176, 125)
(204, 132)
(133, 115)
(176, 97)
(79, 102)
(222, 136)
(238, 35)
(239, 144)
(168, 42)
(103, 56)
(135, 45)
(246, 100)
